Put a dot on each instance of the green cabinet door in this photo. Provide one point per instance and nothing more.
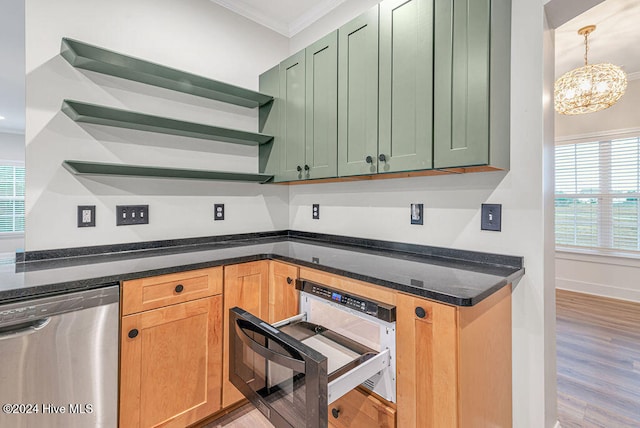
(322, 108)
(358, 95)
(406, 85)
(461, 82)
(269, 121)
(292, 118)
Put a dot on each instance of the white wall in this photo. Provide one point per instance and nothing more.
(615, 277)
(380, 209)
(193, 35)
(11, 152)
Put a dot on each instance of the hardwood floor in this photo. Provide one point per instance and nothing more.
(598, 347)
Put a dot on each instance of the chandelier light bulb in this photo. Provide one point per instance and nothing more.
(589, 88)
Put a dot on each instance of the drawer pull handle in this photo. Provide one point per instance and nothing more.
(179, 288)
(133, 333)
(368, 159)
(299, 168)
(420, 312)
(335, 412)
(382, 157)
(289, 280)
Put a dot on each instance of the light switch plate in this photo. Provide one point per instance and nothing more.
(315, 213)
(491, 218)
(128, 215)
(417, 213)
(86, 215)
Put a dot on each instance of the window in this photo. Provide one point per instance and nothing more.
(597, 191)
(11, 199)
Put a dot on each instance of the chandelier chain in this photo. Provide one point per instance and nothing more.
(586, 46)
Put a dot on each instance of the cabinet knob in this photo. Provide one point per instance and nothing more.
(299, 168)
(306, 167)
(133, 333)
(382, 157)
(179, 288)
(289, 280)
(369, 159)
(420, 312)
(335, 412)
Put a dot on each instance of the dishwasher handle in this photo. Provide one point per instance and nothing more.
(23, 329)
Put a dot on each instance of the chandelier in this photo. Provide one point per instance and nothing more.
(589, 88)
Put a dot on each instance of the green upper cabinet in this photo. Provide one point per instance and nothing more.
(269, 121)
(406, 85)
(471, 83)
(358, 95)
(292, 117)
(321, 159)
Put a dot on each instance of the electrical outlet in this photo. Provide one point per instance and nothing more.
(417, 213)
(86, 215)
(127, 215)
(218, 211)
(315, 214)
(491, 217)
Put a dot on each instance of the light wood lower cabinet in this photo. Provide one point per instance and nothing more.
(284, 299)
(170, 373)
(454, 363)
(246, 285)
(359, 409)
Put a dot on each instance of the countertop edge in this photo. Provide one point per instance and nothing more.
(34, 292)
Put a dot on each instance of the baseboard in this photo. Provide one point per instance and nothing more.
(598, 289)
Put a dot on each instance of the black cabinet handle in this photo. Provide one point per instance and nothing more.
(420, 312)
(133, 333)
(179, 288)
(289, 280)
(382, 157)
(335, 412)
(306, 167)
(368, 159)
(299, 168)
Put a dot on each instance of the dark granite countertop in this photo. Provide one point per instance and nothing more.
(457, 277)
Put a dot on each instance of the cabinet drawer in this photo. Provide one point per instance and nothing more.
(358, 409)
(155, 292)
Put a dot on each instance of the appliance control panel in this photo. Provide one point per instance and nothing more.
(361, 304)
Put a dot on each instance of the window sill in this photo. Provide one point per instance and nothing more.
(619, 258)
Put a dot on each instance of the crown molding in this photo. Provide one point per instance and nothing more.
(279, 26)
(312, 15)
(250, 13)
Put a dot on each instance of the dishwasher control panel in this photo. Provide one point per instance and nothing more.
(361, 304)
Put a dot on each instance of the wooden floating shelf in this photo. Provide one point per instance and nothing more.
(94, 58)
(101, 115)
(84, 168)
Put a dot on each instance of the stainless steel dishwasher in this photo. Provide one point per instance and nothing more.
(59, 361)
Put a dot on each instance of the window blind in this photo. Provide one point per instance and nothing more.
(597, 191)
(11, 199)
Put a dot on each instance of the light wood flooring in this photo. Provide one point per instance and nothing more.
(598, 346)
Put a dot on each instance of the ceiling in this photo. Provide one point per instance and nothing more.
(616, 39)
(12, 72)
(287, 17)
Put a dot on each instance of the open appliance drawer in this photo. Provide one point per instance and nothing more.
(292, 370)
